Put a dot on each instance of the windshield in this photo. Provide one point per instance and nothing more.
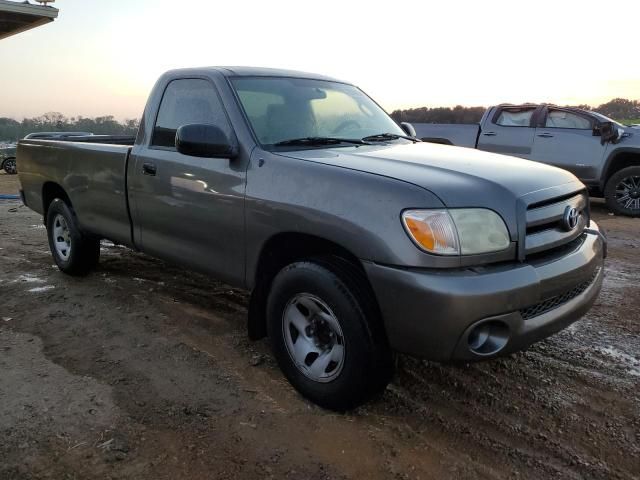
(281, 109)
(604, 118)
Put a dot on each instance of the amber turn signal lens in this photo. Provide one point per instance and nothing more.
(421, 233)
(432, 230)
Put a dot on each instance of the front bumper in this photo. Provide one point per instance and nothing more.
(432, 313)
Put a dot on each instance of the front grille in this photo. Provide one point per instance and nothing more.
(554, 302)
(545, 228)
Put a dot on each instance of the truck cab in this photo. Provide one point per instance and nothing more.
(564, 137)
(602, 153)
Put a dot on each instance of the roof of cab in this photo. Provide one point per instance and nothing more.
(536, 105)
(259, 72)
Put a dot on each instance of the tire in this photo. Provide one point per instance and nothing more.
(332, 302)
(9, 166)
(82, 252)
(622, 192)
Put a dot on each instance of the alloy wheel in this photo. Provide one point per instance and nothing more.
(61, 237)
(313, 338)
(628, 193)
(10, 166)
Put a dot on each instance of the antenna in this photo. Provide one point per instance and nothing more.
(45, 2)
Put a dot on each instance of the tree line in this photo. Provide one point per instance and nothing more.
(620, 109)
(13, 130)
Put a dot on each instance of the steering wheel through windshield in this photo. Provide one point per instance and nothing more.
(346, 124)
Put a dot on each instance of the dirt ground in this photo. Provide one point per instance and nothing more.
(143, 370)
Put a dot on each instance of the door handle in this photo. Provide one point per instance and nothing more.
(545, 135)
(149, 168)
(489, 134)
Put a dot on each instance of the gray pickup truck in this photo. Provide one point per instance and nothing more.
(602, 153)
(355, 239)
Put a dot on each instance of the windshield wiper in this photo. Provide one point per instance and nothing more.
(381, 137)
(313, 141)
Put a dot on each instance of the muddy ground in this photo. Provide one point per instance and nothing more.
(143, 370)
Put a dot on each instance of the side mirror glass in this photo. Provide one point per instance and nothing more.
(203, 140)
(408, 129)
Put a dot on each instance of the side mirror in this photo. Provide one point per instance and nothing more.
(408, 129)
(608, 132)
(203, 140)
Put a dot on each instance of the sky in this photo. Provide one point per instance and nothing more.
(103, 57)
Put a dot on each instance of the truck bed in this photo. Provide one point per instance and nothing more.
(92, 174)
(461, 135)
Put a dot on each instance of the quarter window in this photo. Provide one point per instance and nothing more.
(517, 117)
(185, 102)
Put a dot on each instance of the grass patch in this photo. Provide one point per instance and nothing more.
(629, 121)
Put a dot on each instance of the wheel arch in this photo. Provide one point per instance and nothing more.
(622, 158)
(277, 252)
(51, 191)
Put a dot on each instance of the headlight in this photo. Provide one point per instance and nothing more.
(465, 231)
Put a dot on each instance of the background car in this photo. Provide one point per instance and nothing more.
(8, 159)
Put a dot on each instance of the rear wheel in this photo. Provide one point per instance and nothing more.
(326, 334)
(74, 252)
(9, 166)
(622, 192)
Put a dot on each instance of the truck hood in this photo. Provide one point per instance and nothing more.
(459, 177)
(630, 137)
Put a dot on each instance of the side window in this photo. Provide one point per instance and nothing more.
(564, 119)
(515, 117)
(184, 102)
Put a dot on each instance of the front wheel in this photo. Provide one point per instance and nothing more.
(10, 167)
(622, 192)
(74, 252)
(326, 333)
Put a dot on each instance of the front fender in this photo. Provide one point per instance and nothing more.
(609, 164)
(356, 210)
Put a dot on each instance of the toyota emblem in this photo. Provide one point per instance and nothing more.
(571, 218)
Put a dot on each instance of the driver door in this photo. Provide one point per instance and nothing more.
(565, 139)
(190, 210)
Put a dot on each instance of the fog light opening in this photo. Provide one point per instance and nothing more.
(488, 338)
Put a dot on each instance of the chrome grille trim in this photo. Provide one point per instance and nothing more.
(545, 228)
(553, 213)
(548, 239)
